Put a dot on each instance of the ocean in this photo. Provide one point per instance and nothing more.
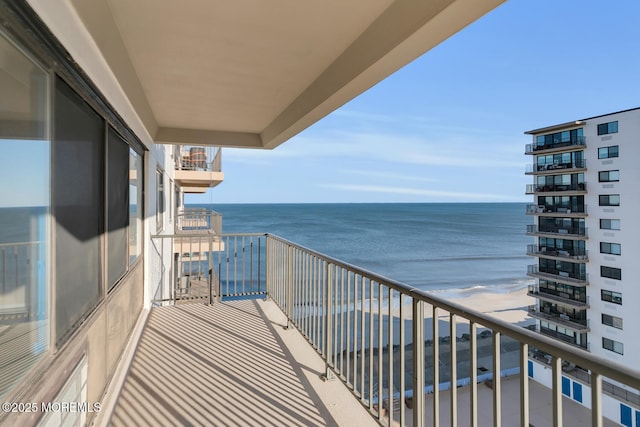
(449, 248)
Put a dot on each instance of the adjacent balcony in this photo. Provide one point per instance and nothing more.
(554, 168)
(260, 361)
(557, 145)
(569, 278)
(562, 319)
(567, 254)
(570, 233)
(565, 338)
(557, 211)
(557, 297)
(577, 188)
(198, 168)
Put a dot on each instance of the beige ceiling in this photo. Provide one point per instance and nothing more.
(254, 73)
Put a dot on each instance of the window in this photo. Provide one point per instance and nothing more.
(615, 346)
(117, 207)
(610, 272)
(609, 200)
(609, 176)
(608, 152)
(607, 128)
(159, 199)
(610, 248)
(610, 224)
(25, 158)
(613, 321)
(78, 206)
(610, 296)
(135, 205)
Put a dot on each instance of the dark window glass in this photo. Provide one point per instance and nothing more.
(78, 207)
(610, 296)
(610, 272)
(609, 176)
(608, 152)
(612, 345)
(610, 200)
(614, 321)
(117, 206)
(610, 224)
(610, 248)
(607, 128)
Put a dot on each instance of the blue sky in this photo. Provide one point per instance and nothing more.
(449, 126)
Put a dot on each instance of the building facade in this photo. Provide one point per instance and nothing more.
(586, 236)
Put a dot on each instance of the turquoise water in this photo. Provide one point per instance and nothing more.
(439, 246)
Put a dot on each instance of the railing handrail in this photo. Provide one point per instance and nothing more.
(565, 351)
(8, 245)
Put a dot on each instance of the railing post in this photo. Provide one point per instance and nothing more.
(268, 286)
(596, 399)
(328, 324)
(418, 362)
(289, 296)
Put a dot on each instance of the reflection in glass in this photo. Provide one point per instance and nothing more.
(135, 205)
(24, 214)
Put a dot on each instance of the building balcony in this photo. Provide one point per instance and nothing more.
(557, 211)
(325, 318)
(557, 297)
(569, 233)
(555, 168)
(579, 188)
(571, 255)
(577, 143)
(564, 338)
(559, 276)
(198, 168)
(561, 319)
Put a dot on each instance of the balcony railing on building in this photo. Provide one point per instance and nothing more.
(198, 168)
(557, 144)
(567, 277)
(563, 232)
(562, 319)
(555, 210)
(576, 188)
(551, 168)
(565, 253)
(365, 326)
(556, 296)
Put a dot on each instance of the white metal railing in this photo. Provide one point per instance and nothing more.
(350, 315)
(365, 327)
(18, 266)
(198, 220)
(198, 158)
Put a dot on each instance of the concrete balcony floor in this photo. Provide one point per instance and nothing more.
(231, 363)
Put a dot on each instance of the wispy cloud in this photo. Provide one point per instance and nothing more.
(387, 175)
(415, 191)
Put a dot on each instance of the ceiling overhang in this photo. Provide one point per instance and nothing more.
(252, 73)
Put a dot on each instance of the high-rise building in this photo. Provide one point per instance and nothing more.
(586, 203)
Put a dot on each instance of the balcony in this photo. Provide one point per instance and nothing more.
(557, 297)
(198, 168)
(568, 278)
(554, 168)
(571, 255)
(260, 362)
(557, 211)
(578, 188)
(558, 145)
(580, 326)
(570, 233)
